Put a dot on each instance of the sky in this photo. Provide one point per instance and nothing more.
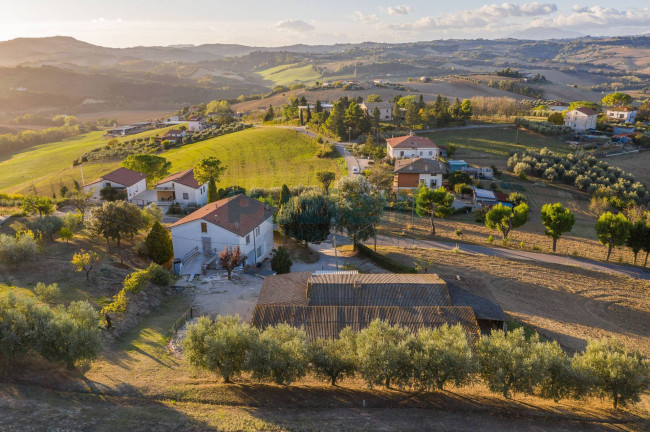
(122, 23)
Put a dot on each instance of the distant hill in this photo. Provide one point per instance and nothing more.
(543, 33)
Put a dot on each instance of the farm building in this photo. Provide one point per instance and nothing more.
(456, 165)
(132, 182)
(411, 146)
(235, 221)
(413, 173)
(483, 197)
(479, 173)
(324, 303)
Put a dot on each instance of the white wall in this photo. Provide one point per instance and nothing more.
(580, 122)
(135, 189)
(187, 236)
(131, 191)
(428, 153)
(194, 196)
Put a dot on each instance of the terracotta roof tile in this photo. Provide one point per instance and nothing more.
(410, 141)
(419, 166)
(124, 176)
(586, 111)
(185, 178)
(238, 214)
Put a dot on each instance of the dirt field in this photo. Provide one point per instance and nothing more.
(567, 304)
(636, 164)
(124, 116)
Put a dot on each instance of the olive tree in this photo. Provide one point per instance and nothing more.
(615, 372)
(384, 354)
(279, 354)
(334, 359)
(557, 220)
(442, 355)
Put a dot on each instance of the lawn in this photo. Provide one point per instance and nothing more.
(287, 74)
(496, 141)
(47, 165)
(263, 157)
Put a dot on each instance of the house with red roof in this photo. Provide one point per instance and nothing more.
(173, 135)
(622, 114)
(411, 146)
(234, 221)
(182, 188)
(132, 182)
(581, 119)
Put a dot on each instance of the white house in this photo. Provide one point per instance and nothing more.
(385, 109)
(196, 123)
(411, 146)
(581, 119)
(182, 188)
(235, 221)
(415, 172)
(622, 114)
(173, 135)
(122, 178)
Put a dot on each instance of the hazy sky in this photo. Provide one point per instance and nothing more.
(122, 23)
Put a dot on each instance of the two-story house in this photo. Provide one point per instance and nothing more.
(385, 109)
(411, 146)
(581, 119)
(235, 221)
(182, 188)
(623, 114)
(415, 172)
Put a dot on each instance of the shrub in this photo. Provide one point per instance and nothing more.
(65, 233)
(159, 276)
(384, 261)
(47, 293)
(281, 262)
(159, 244)
(490, 239)
(45, 227)
(19, 248)
(459, 232)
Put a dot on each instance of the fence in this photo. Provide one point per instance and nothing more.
(180, 322)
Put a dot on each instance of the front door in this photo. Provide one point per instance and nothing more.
(207, 245)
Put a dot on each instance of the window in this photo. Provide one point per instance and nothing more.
(248, 239)
(186, 196)
(401, 153)
(420, 152)
(204, 227)
(434, 182)
(430, 152)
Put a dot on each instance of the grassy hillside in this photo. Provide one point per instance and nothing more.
(262, 157)
(287, 74)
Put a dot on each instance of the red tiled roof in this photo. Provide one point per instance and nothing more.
(238, 214)
(195, 118)
(586, 111)
(173, 132)
(622, 109)
(410, 141)
(500, 196)
(124, 176)
(185, 178)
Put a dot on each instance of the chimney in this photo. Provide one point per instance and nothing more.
(410, 167)
(216, 219)
(237, 225)
(426, 168)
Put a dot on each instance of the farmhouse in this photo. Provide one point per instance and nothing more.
(581, 119)
(324, 303)
(411, 146)
(385, 109)
(623, 114)
(132, 182)
(196, 123)
(181, 188)
(235, 221)
(413, 173)
(173, 135)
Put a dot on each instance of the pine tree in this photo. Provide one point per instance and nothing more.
(159, 244)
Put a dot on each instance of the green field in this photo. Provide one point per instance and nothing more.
(496, 141)
(48, 165)
(287, 74)
(263, 157)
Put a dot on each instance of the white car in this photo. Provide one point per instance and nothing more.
(355, 170)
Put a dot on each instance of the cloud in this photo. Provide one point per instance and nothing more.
(364, 18)
(598, 16)
(293, 25)
(505, 10)
(102, 20)
(399, 10)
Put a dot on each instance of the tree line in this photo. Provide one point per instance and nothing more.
(428, 360)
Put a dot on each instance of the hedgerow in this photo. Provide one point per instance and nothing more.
(134, 283)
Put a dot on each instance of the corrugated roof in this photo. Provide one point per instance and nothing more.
(410, 141)
(419, 166)
(124, 176)
(285, 289)
(238, 214)
(185, 178)
(328, 321)
(479, 299)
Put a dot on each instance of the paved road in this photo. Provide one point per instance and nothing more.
(635, 273)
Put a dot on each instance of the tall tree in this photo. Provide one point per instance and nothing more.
(613, 230)
(336, 121)
(159, 244)
(617, 99)
(318, 107)
(557, 220)
(308, 118)
(412, 115)
(359, 208)
(81, 201)
(436, 203)
(639, 232)
(456, 110)
(115, 220)
(305, 218)
(213, 194)
(505, 219)
(326, 178)
(397, 114)
(34, 204)
(208, 168)
(467, 109)
(269, 115)
(285, 195)
(153, 166)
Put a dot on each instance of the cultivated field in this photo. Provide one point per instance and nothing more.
(291, 73)
(262, 157)
(636, 164)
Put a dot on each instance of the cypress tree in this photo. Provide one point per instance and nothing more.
(212, 191)
(318, 108)
(285, 195)
(159, 244)
(308, 114)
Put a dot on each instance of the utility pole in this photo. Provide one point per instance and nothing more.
(336, 257)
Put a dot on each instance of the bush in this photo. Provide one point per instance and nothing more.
(18, 249)
(281, 262)
(47, 293)
(159, 276)
(159, 244)
(45, 227)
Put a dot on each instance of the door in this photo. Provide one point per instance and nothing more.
(207, 245)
